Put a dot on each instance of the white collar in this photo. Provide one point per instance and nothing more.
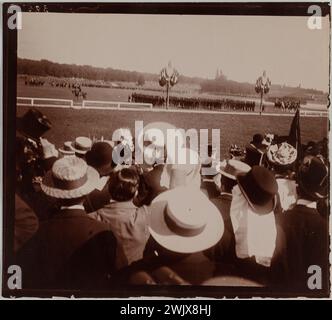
(307, 203)
(75, 206)
(101, 183)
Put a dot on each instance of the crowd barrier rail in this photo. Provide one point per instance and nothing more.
(44, 102)
(97, 104)
(118, 105)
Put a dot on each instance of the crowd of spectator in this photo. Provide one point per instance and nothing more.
(88, 216)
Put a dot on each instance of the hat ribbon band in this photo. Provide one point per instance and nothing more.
(80, 147)
(66, 148)
(70, 185)
(180, 230)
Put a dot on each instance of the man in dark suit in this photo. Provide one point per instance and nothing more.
(100, 157)
(255, 151)
(70, 250)
(26, 223)
(306, 230)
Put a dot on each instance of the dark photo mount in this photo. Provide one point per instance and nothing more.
(10, 60)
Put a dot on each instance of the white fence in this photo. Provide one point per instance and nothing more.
(90, 104)
(117, 105)
(308, 113)
(86, 104)
(44, 102)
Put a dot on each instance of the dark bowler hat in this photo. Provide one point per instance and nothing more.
(33, 124)
(259, 187)
(313, 177)
(257, 139)
(100, 156)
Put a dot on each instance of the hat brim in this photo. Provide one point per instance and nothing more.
(49, 188)
(77, 150)
(278, 164)
(222, 168)
(260, 209)
(161, 233)
(67, 151)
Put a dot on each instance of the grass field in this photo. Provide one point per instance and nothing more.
(234, 128)
(70, 123)
(46, 91)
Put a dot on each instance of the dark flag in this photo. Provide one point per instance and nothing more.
(294, 137)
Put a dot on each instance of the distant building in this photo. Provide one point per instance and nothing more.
(220, 75)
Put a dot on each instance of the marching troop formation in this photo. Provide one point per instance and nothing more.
(287, 104)
(196, 103)
(84, 220)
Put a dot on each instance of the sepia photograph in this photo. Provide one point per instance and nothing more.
(166, 150)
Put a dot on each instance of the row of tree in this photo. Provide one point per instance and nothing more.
(48, 68)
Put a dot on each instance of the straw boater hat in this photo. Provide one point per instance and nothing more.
(155, 133)
(260, 188)
(184, 221)
(231, 281)
(69, 178)
(149, 133)
(232, 168)
(81, 145)
(67, 148)
(185, 169)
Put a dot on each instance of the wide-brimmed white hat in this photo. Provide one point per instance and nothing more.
(283, 154)
(157, 132)
(122, 134)
(81, 145)
(232, 168)
(184, 169)
(69, 178)
(183, 220)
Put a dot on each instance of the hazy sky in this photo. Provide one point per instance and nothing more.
(241, 46)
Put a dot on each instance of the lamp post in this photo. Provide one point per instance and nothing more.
(168, 77)
(262, 87)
